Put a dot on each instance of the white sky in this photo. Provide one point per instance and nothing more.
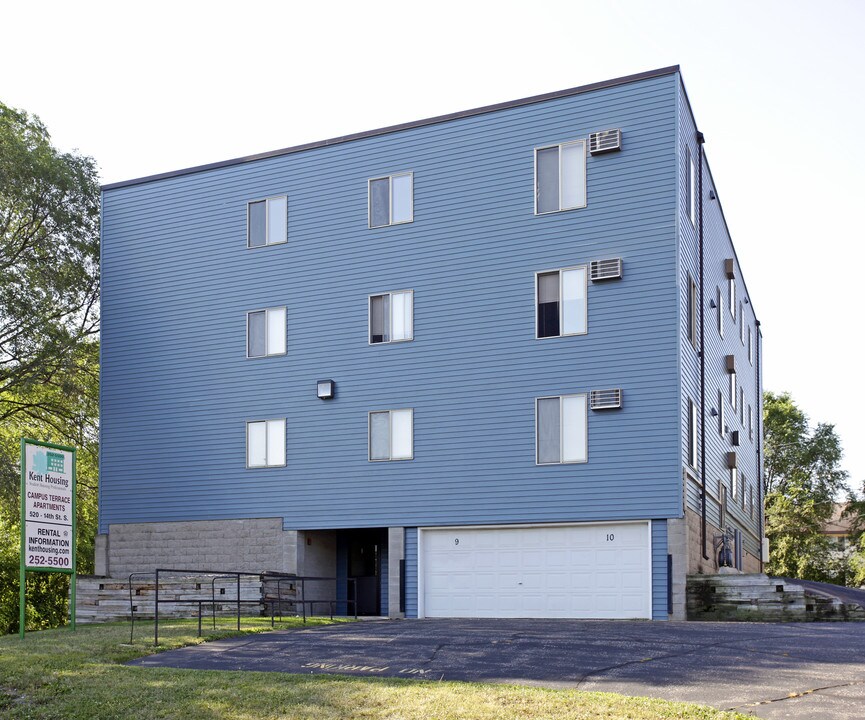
(778, 88)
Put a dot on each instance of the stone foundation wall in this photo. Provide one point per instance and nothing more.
(249, 545)
(697, 565)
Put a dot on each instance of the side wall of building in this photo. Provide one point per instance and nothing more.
(733, 404)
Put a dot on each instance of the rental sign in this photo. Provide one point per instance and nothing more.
(47, 514)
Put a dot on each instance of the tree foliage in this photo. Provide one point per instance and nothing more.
(49, 260)
(802, 481)
(49, 358)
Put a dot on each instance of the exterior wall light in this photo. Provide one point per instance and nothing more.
(325, 389)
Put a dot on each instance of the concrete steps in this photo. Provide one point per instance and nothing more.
(762, 598)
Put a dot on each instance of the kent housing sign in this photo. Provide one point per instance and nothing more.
(47, 513)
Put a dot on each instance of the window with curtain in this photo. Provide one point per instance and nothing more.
(391, 200)
(265, 443)
(265, 332)
(560, 177)
(267, 222)
(561, 425)
(562, 302)
(391, 317)
(391, 435)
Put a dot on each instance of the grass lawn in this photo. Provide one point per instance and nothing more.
(70, 676)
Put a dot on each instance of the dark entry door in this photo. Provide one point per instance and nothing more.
(364, 569)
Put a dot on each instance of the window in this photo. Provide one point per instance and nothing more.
(720, 306)
(691, 188)
(750, 423)
(720, 413)
(742, 496)
(391, 435)
(734, 482)
(692, 433)
(561, 425)
(561, 301)
(391, 317)
(560, 177)
(265, 443)
(751, 502)
(742, 405)
(267, 222)
(391, 200)
(750, 346)
(741, 324)
(731, 289)
(692, 311)
(265, 332)
(733, 390)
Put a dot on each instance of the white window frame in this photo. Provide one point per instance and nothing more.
(693, 452)
(561, 184)
(692, 188)
(750, 346)
(267, 240)
(750, 423)
(721, 424)
(733, 391)
(390, 413)
(731, 292)
(742, 405)
(284, 448)
(389, 178)
(692, 311)
(585, 269)
(266, 331)
(390, 295)
(734, 483)
(719, 301)
(585, 439)
(741, 323)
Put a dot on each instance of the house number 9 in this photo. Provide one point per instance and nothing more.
(456, 541)
(610, 537)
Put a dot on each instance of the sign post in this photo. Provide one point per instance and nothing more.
(47, 515)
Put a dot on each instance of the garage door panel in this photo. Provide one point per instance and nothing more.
(591, 571)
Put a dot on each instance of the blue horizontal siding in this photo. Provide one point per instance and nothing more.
(411, 572)
(178, 281)
(659, 570)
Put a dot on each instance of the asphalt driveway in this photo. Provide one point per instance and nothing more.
(793, 670)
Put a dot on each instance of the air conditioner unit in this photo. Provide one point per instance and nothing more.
(731, 460)
(605, 141)
(606, 269)
(734, 438)
(606, 399)
(730, 363)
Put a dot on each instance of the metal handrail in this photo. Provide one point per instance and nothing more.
(131, 605)
(222, 574)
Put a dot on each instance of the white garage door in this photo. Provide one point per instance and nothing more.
(573, 571)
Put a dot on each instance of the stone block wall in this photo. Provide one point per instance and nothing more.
(248, 545)
(696, 563)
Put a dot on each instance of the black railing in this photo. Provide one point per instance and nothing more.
(300, 600)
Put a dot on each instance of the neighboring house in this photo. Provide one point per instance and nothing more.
(459, 359)
(839, 528)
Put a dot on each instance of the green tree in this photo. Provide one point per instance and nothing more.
(802, 479)
(49, 260)
(77, 393)
(49, 358)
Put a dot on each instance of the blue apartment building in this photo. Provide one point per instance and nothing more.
(499, 363)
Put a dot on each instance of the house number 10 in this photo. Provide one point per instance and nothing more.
(610, 537)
